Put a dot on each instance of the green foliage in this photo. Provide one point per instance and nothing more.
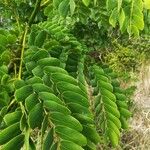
(51, 95)
(123, 59)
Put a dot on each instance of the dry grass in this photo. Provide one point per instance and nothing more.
(138, 136)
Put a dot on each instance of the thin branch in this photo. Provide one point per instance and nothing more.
(33, 15)
(22, 51)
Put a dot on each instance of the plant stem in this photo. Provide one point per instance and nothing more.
(33, 15)
(37, 6)
(22, 51)
(27, 136)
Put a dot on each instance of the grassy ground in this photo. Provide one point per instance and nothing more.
(138, 136)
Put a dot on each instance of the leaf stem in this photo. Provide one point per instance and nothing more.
(33, 15)
(22, 51)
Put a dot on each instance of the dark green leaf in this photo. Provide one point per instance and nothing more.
(22, 93)
(16, 142)
(71, 135)
(36, 116)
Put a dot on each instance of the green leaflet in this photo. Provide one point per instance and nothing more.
(105, 85)
(114, 119)
(135, 18)
(68, 145)
(65, 120)
(111, 4)
(4, 99)
(19, 83)
(98, 70)
(133, 30)
(55, 107)
(35, 117)
(30, 66)
(102, 78)
(40, 55)
(113, 138)
(124, 123)
(119, 5)
(12, 118)
(39, 87)
(119, 90)
(40, 38)
(49, 62)
(90, 145)
(112, 110)
(108, 70)
(56, 30)
(70, 68)
(3, 41)
(74, 56)
(128, 1)
(77, 108)
(34, 80)
(9, 132)
(71, 135)
(124, 112)
(113, 17)
(83, 118)
(22, 93)
(51, 26)
(47, 81)
(38, 71)
(55, 53)
(146, 4)
(121, 18)
(106, 100)
(91, 133)
(81, 77)
(115, 83)
(4, 69)
(57, 77)
(28, 55)
(112, 125)
(86, 2)
(112, 75)
(52, 69)
(64, 8)
(48, 141)
(109, 94)
(32, 37)
(82, 87)
(70, 96)
(72, 6)
(31, 101)
(46, 96)
(5, 79)
(122, 104)
(16, 142)
(65, 86)
(120, 96)
(56, 3)
(138, 21)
